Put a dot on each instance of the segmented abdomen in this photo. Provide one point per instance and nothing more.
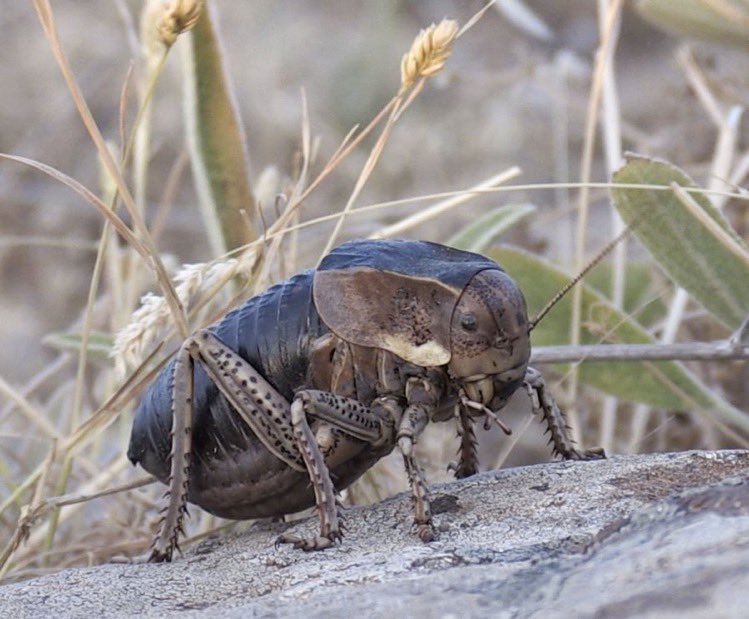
(273, 331)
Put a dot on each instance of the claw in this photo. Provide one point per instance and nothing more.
(309, 544)
(160, 557)
(425, 532)
(596, 453)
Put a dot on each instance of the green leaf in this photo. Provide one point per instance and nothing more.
(641, 296)
(216, 138)
(663, 384)
(478, 235)
(687, 235)
(700, 19)
(99, 344)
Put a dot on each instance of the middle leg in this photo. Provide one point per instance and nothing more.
(359, 428)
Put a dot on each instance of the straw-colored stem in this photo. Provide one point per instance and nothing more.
(475, 191)
(721, 350)
(140, 136)
(102, 480)
(54, 517)
(444, 205)
(612, 146)
(364, 175)
(603, 56)
(35, 417)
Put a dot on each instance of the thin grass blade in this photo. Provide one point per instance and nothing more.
(478, 235)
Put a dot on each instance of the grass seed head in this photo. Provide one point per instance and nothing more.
(164, 20)
(429, 52)
(149, 322)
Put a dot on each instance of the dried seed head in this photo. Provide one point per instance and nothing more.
(163, 21)
(149, 321)
(428, 53)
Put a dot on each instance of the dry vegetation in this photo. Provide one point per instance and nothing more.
(339, 116)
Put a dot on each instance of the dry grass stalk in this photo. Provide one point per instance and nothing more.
(451, 202)
(143, 245)
(729, 11)
(23, 527)
(41, 508)
(604, 56)
(612, 146)
(427, 56)
(479, 189)
(429, 52)
(149, 321)
(364, 175)
(47, 20)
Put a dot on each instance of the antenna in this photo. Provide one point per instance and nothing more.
(601, 255)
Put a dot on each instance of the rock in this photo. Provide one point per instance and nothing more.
(663, 535)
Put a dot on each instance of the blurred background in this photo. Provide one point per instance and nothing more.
(513, 93)
(505, 98)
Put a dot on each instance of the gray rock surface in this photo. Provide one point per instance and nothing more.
(664, 535)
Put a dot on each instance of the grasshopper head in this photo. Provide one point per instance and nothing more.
(489, 338)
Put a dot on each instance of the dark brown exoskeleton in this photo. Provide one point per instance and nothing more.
(322, 375)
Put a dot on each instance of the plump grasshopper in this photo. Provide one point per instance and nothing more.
(322, 375)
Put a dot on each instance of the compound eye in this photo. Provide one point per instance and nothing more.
(468, 322)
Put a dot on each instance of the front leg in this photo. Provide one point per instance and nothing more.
(468, 461)
(372, 428)
(556, 422)
(327, 510)
(422, 395)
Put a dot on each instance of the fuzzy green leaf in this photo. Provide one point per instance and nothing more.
(664, 384)
(688, 237)
(642, 296)
(478, 235)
